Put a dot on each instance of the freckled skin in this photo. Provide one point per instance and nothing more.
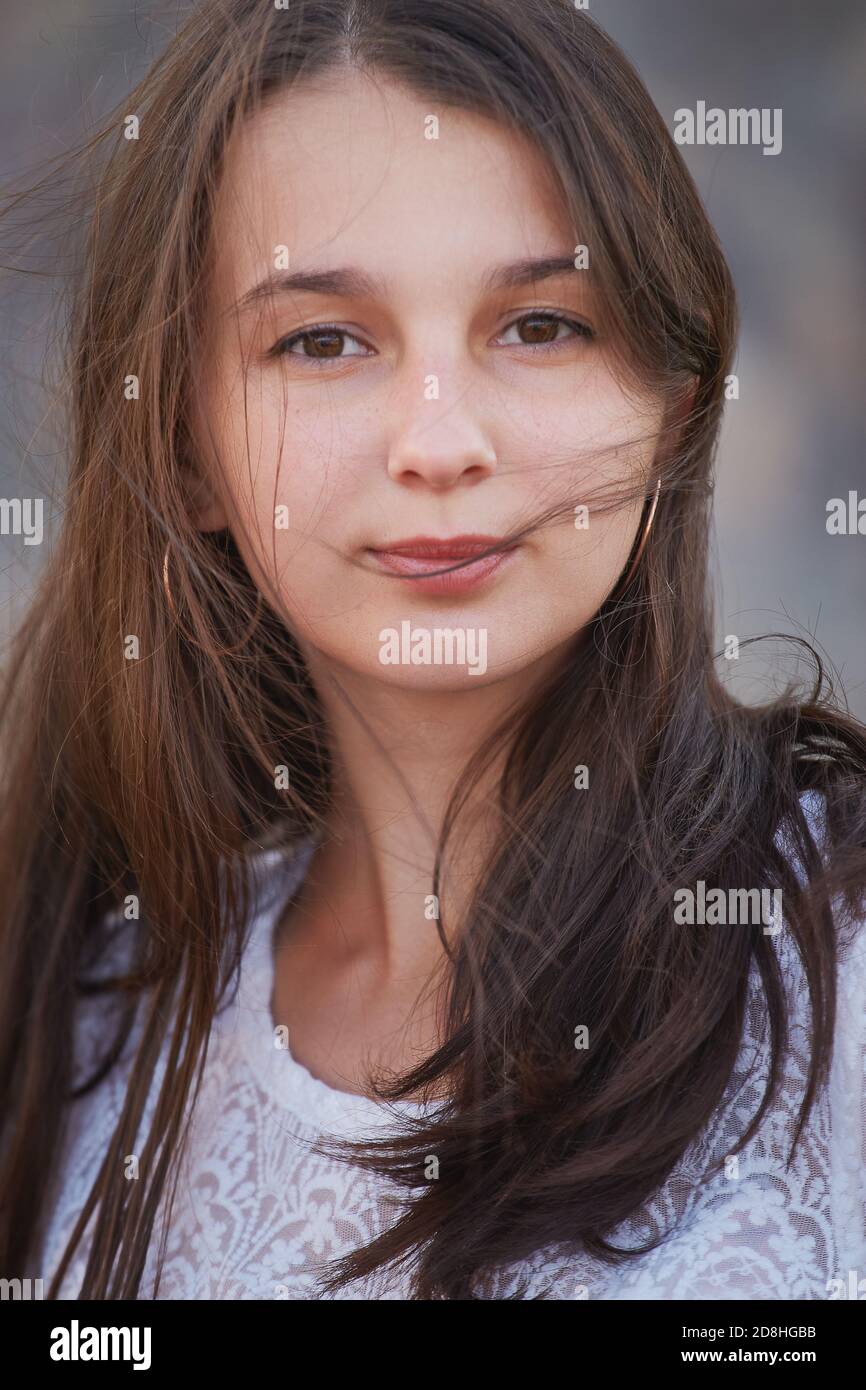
(341, 174)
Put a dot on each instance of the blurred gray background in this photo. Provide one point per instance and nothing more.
(791, 226)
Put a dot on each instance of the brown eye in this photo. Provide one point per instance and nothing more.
(542, 330)
(539, 329)
(323, 343)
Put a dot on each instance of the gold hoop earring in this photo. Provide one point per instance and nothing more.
(640, 544)
(222, 651)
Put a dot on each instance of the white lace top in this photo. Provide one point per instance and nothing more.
(256, 1212)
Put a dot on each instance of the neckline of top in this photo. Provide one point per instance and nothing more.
(277, 874)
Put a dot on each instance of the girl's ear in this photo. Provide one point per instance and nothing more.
(201, 475)
(207, 511)
(676, 417)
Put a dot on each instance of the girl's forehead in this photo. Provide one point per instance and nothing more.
(387, 173)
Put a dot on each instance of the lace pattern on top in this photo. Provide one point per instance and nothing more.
(257, 1212)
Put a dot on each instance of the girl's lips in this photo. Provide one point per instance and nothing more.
(414, 567)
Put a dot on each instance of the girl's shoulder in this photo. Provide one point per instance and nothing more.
(99, 1091)
(274, 873)
(769, 1219)
(850, 927)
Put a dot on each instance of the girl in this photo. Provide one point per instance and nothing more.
(396, 904)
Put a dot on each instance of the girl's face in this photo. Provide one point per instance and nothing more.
(381, 367)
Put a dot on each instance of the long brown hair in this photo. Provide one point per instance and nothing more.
(146, 776)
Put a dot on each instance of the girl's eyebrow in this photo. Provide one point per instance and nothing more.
(348, 282)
